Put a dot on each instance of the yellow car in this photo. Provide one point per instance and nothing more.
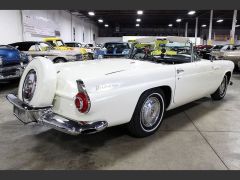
(158, 49)
(58, 44)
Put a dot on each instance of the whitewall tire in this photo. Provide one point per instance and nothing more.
(46, 81)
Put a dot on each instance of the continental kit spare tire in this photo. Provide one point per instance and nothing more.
(38, 83)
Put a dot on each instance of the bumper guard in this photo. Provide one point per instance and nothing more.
(45, 116)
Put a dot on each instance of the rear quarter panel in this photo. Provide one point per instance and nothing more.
(114, 96)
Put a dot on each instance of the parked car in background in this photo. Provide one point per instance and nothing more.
(12, 62)
(217, 51)
(58, 44)
(89, 50)
(112, 49)
(87, 97)
(233, 55)
(204, 51)
(44, 49)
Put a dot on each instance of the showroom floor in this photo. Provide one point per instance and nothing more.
(201, 135)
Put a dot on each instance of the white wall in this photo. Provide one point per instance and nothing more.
(12, 23)
(10, 26)
(102, 40)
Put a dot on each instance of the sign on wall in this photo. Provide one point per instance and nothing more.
(38, 25)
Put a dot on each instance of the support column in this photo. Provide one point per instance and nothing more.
(232, 33)
(196, 31)
(186, 29)
(209, 42)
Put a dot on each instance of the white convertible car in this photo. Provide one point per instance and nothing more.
(87, 97)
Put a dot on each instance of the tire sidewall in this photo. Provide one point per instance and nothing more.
(135, 126)
(46, 82)
(225, 90)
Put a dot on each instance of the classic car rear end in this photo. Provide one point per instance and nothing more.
(89, 96)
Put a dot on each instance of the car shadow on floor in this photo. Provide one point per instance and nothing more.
(101, 149)
(9, 86)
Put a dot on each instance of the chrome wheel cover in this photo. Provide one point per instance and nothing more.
(150, 111)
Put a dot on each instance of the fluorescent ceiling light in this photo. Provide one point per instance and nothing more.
(106, 25)
(220, 20)
(191, 12)
(238, 25)
(204, 25)
(139, 12)
(91, 13)
(179, 20)
(100, 20)
(170, 25)
(138, 20)
(137, 25)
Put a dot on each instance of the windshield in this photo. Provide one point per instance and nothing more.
(170, 52)
(45, 46)
(217, 47)
(59, 43)
(56, 43)
(116, 45)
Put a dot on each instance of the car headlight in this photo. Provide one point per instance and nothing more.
(29, 86)
(1, 61)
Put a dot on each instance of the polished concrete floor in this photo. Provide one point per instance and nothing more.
(200, 135)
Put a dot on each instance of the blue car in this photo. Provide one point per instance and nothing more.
(113, 49)
(12, 63)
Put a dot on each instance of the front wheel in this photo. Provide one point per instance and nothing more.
(148, 114)
(221, 91)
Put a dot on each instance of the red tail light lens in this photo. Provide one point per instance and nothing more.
(82, 102)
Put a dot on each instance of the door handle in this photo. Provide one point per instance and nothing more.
(179, 71)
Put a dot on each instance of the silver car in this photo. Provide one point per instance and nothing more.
(44, 49)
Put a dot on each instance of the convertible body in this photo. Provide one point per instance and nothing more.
(86, 97)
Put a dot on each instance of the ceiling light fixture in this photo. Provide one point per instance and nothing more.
(191, 12)
(220, 20)
(204, 25)
(106, 25)
(137, 25)
(138, 20)
(100, 20)
(139, 12)
(179, 20)
(91, 13)
(170, 25)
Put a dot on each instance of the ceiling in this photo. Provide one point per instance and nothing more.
(157, 18)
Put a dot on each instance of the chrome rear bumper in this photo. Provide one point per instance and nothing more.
(45, 116)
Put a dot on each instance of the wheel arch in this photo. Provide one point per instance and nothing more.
(167, 90)
(228, 74)
(59, 57)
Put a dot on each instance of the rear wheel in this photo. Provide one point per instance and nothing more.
(148, 114)
(222, 89)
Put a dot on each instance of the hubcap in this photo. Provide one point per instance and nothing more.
(222, 87)
(150, 111)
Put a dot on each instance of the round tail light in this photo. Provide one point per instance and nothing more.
(82, 102)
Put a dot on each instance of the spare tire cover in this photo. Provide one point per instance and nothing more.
(46, 81)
